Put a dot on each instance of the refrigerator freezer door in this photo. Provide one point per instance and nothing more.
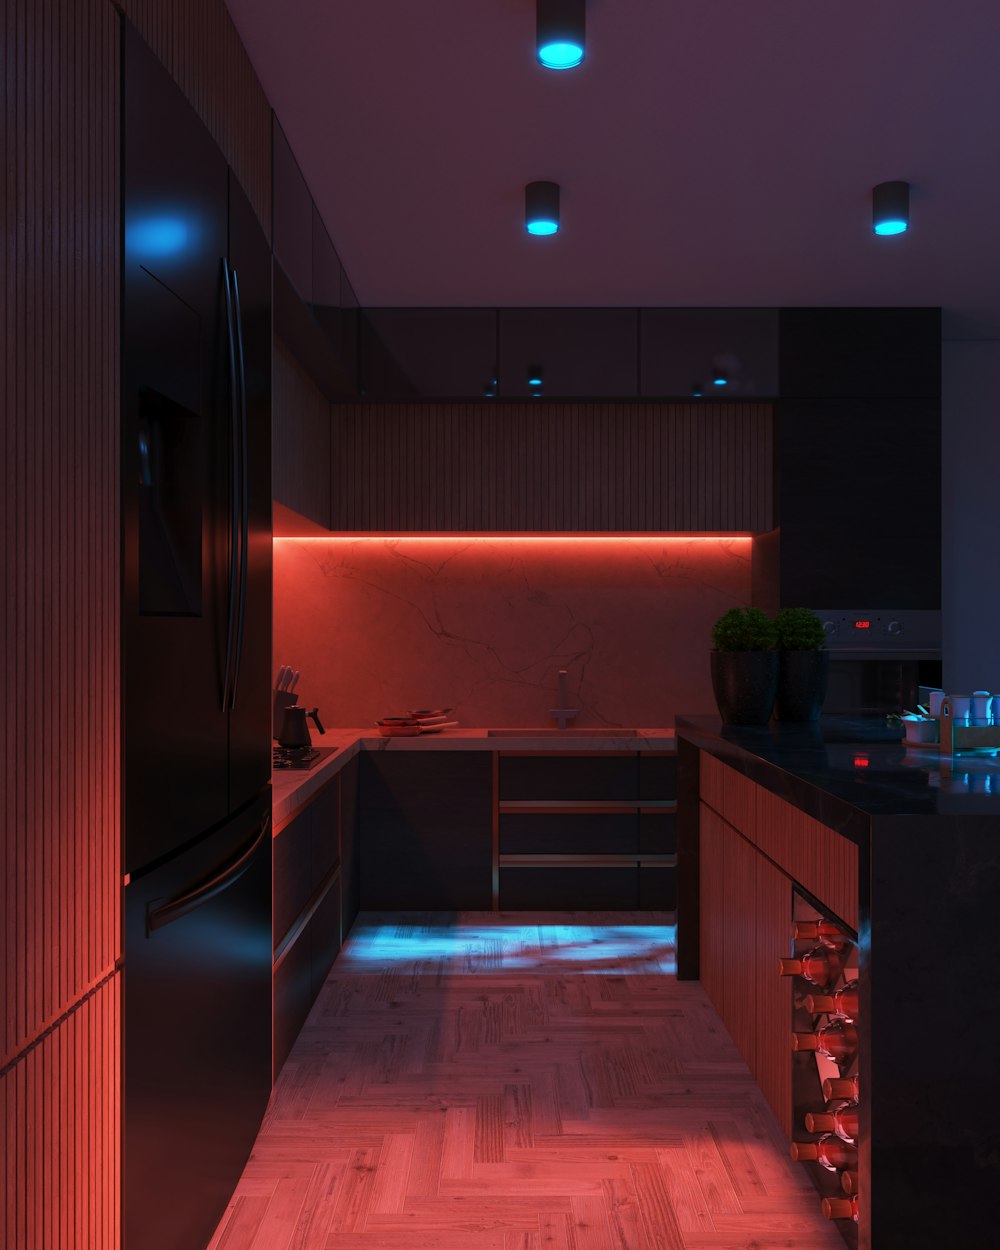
(197, 1031)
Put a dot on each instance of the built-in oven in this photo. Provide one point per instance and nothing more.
(879, 657)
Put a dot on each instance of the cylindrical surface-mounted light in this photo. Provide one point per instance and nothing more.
(560, 32)
(891, 207)
(541, 207)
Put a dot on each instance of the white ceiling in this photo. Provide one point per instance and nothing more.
(710, 152)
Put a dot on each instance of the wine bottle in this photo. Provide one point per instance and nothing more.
(822, 966)
(841, 1208)
(831, 1151)
(823, 931)
(842, 1119)
(849, 1182)
(838, 1040)
(842, 1002)
(840, 1087)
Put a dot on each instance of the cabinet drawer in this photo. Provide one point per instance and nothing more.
(569, 889)
(292, 998)
(572, 777)
(657, 776)
(568, 834)
(657, 887)
(324, 938)
(294, 883)
(658, 833)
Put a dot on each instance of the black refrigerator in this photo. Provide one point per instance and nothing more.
(196, 644)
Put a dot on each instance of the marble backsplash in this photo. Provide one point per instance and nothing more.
(482, 625)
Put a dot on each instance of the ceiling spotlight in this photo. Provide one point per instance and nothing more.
(560, 32)
(719, 378)
(891, 207)
(541, 207)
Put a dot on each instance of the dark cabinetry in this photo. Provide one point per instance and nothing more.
(585, 831)
(427, 820)
(307, 913)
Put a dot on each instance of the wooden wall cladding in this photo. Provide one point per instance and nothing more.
(814, 855)
(551, 467)
(300, 417)
(60, 931)
(59, 1149)
(198, 43)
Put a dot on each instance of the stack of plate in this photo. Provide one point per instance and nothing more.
(423, 720)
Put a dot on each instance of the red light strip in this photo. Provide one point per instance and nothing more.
(505, 537)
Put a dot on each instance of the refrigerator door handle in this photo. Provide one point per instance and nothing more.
(245, 487)
(191, 899)
(234, 490)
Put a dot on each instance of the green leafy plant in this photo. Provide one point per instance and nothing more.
(744, 629)
(798, 629)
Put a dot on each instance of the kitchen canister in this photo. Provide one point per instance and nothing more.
(979, 707)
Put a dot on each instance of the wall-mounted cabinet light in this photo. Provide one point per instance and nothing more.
(535, 377)
(541, 208)
(891, 207)
(560, 40)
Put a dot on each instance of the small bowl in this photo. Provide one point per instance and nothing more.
(920, 732)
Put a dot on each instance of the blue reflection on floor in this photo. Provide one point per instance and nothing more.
(469, 946)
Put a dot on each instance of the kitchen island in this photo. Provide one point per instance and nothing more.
(900, 847)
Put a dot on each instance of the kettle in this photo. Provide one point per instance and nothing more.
(295, 730)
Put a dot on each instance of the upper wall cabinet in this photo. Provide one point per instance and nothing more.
(443, 353)
(723, 353)
(570, 352)
(860, 353)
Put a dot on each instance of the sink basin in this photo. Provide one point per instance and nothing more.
(576, 731)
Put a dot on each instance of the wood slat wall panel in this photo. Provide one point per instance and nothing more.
(59, 735)
(60, 1156)
(198, 43)
(551, 467)
(300, 416)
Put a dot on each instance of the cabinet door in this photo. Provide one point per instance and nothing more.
(772, 994)
(350, 850)
(428, 830)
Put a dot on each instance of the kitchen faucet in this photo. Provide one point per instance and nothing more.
(562, 713)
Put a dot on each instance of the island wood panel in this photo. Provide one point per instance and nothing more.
(772, 994)
(198, 43)
(745, 909)
(300, 418)
(60, 922)
(551, 467)
(820, 859)
(60, 1142)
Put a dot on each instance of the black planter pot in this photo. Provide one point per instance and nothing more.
(745, 683)
(802, 677)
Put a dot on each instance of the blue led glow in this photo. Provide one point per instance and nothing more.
(560, 54)
(587, 949)
(542, 226)
(892, 226)
(156, 236)
(534, 381)
(720, 381)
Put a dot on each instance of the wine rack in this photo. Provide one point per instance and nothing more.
(826, 1089)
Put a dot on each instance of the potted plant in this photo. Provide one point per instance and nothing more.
(803, 665)
(744, 666)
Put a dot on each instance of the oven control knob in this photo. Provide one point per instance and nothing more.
(895, 627)
(829, 627)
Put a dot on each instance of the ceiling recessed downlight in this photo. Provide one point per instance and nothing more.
(560, 36)
(891, 208)
(541, 208)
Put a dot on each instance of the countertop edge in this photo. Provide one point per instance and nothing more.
(291, 791)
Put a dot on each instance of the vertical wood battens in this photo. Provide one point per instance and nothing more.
(61, 924)
(198, 43)
(60, 1109)
(60, 932)
(579, 466)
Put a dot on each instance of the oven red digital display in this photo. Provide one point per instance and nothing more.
(861, 761)
(862, 624)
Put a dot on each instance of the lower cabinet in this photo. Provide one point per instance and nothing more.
(306, 914)
(585, 831)
(427, 830)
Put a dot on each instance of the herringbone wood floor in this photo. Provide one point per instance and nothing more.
(518, 1082)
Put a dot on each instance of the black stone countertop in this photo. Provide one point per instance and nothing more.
(846, 770)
